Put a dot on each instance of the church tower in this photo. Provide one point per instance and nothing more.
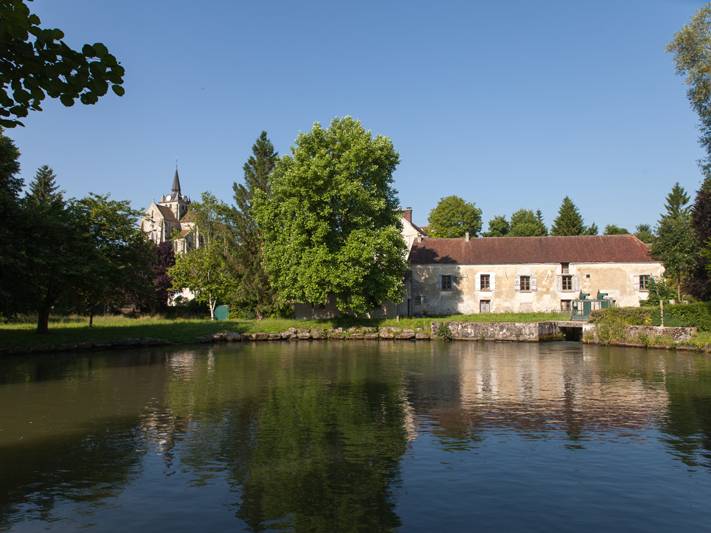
(175, 201)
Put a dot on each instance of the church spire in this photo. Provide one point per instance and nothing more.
(176, 183)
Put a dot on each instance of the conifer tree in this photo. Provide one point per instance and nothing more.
(57, 248)
(699, 283)
(676, 244)
(568, 221)
(254, 291)
(592, 229)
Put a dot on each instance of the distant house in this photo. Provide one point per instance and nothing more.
(519, 274)
(410, 231)
(170, 219)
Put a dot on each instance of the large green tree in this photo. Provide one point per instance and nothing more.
(569, 221)
(119, 270)
(36, 62)
(691, 47)
(498, 227)
(57, 247)
(454, 217)
(330, 224)
(254, 292)
(676, 245)
(526, 223)
(12, 234)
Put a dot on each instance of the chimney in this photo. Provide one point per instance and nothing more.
(407, 214)
(466, 236)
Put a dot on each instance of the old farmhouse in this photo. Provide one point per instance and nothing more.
(519, 274)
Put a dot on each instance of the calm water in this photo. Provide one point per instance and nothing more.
(357, 436)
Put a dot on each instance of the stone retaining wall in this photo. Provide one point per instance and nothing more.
(643, 336)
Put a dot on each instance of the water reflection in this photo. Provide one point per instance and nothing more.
(319, 437)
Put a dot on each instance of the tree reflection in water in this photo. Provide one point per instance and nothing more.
(312, 436)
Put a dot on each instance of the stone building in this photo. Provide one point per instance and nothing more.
(519, 274)
(171, 219)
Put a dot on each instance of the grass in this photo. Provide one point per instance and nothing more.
(73, 330)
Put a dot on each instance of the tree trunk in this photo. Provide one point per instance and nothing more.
(678, 290)
(43, 319)
(91, 317)
(212, 309)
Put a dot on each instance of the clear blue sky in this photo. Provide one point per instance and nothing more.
(506, 103)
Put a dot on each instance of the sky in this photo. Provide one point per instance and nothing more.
(508, 104)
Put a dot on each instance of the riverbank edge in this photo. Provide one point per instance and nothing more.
(544, 331)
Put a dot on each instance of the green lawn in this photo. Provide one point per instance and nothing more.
(73, 330)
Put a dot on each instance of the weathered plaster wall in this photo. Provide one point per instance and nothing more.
(619, 280)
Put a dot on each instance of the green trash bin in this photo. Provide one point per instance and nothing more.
(222, 312)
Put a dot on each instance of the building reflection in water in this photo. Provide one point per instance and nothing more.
(313, 435)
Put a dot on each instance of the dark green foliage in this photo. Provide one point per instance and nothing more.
(12, 231)
(163, 260)
(569, 221)
(644, 233)
(498, 227)
(660, 289)
(699, 281)
(526, 223)
(592, 229)
(56, 249)
(118, 270)
(612, 229)
(454, 217)
(254, 293)
(36, 62)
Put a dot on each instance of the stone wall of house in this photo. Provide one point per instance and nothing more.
(619, 280)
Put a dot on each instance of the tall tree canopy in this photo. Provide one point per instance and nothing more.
(57, 247)
(498, 227)
(526, 223)
(676, 245)
(119, 270)
(254, 291)
(36, 62)
(454, 217)
(12, 234)
(330, 224)
(569, 221)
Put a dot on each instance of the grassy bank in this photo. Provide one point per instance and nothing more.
(107, 329)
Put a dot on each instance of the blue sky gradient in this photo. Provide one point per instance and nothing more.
(508, 104)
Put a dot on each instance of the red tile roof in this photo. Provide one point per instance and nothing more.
(522, 250)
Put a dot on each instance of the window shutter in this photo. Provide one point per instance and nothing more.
(559, 283)
(635, 281)
(576, 284)
(478, 282)
(517, 283)
(492, 281)
(533, 283)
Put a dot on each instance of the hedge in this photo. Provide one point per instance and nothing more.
(696, 314)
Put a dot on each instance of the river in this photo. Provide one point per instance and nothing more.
(357, 436)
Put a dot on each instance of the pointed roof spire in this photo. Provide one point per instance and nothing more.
(176, 182)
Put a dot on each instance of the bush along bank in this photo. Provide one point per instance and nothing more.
(641, 327)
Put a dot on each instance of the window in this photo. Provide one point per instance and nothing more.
(525, 283)
(565, 305)
(419, 300)
(485, 306)
(446, 283)
(485, 282)
(565, 268)
(644, 282)
(566, 282)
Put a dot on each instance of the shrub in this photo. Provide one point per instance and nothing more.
(627, 316)
(696, 315)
